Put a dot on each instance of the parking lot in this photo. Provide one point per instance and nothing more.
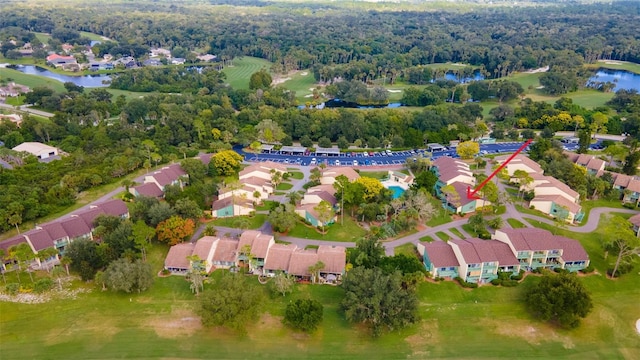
(381, 158)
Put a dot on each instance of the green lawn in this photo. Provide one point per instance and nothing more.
(457, 233)
(348, 232)
(255, 221)
(616, 65)
(442, 217)
(284, 186)
(375, 174)
(93, 36)
(267, 205)
(427, 239)
(406, 249)
(484, 323)
(238, 75)
(515, 223)
(303, 84)
(443, 236)
(296, 175)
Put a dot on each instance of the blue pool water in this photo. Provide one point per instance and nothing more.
(397, 191)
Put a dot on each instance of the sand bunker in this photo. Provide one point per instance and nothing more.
(613, 62)
(394, 91)
(638, 326)
(304, 73)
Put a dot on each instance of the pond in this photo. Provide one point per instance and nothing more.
(477, 76)
(620, 78)
(82, 80)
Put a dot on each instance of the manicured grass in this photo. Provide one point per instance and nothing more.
(443, 236)
(239, 74)
(129, 95)
(267, 205)
(348, 232)
(93, 36)
(587, 205)
(616, 65)
(427, 239)
(284, 186)
(515, 223)
(457, 233)
(255, 221)
(31, 80)
(374, 174)
(44, 38)
(442, 217)
(487, 322)
(302, 83)
(296, 175)
(406, 249)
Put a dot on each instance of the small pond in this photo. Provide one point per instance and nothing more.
(82, 80)
(620, 78)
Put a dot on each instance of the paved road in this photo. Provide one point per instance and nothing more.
(26, 108)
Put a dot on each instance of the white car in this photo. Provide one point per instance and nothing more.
(337, 162)
(355, 162)
(313, 161)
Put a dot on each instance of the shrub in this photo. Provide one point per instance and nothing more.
(561, 271)
(509, 283)
(12, 288)
(504, 275)
(629, 205)
(624, 268)
(519, 276)
(496, 282)
(589, 269)
(43, 285)
(484, 234)
(466, 284)
(304, 314)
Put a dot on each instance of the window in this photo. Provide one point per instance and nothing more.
(452, 268)
(443, 269)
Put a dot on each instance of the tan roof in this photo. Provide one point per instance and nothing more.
(621, 180)
(265, 167)
(634, 185)
(635, 220)
(333, 257)
(300, 262)
(35, 148)
(522, 159)
(337, 171)
(177, 256)
(226, 250)
(328, 188)
(279, 256)
(553, 182)
(228, 201)
(559, 200)
(259, 242)
(323, 195)
(203, 246)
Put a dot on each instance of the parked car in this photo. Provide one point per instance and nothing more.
(355, 162)
(313, 161)
(337, 162)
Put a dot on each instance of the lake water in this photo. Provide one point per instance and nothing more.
(83, 80)
(477, 76)
(622, 79)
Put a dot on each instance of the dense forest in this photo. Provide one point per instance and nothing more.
(353, 43)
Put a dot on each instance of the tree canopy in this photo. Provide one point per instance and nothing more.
(559, 298)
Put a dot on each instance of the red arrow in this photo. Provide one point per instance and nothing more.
(471, 194)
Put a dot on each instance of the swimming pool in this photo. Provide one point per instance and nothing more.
(397, 191)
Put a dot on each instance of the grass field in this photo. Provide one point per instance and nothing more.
(254, 221)
(31, 80)
(375, 174)
(616, 65)
(238, 75)
(484, 323)
(296, 175)
(302, 83)
(457, 233)
(515, 223)
(406, 249)
(443, 236)
(336, 232)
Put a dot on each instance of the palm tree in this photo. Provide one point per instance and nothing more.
(2, 268)
(47, 253)
(315, 271)
(294, 197)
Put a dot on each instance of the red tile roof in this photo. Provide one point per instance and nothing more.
(115, 207)
(572, 250)
(39, 239)
(55, 230)
(530, 239)
(440, 254)
(559, 200)
(149, 189)
(75, 227)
